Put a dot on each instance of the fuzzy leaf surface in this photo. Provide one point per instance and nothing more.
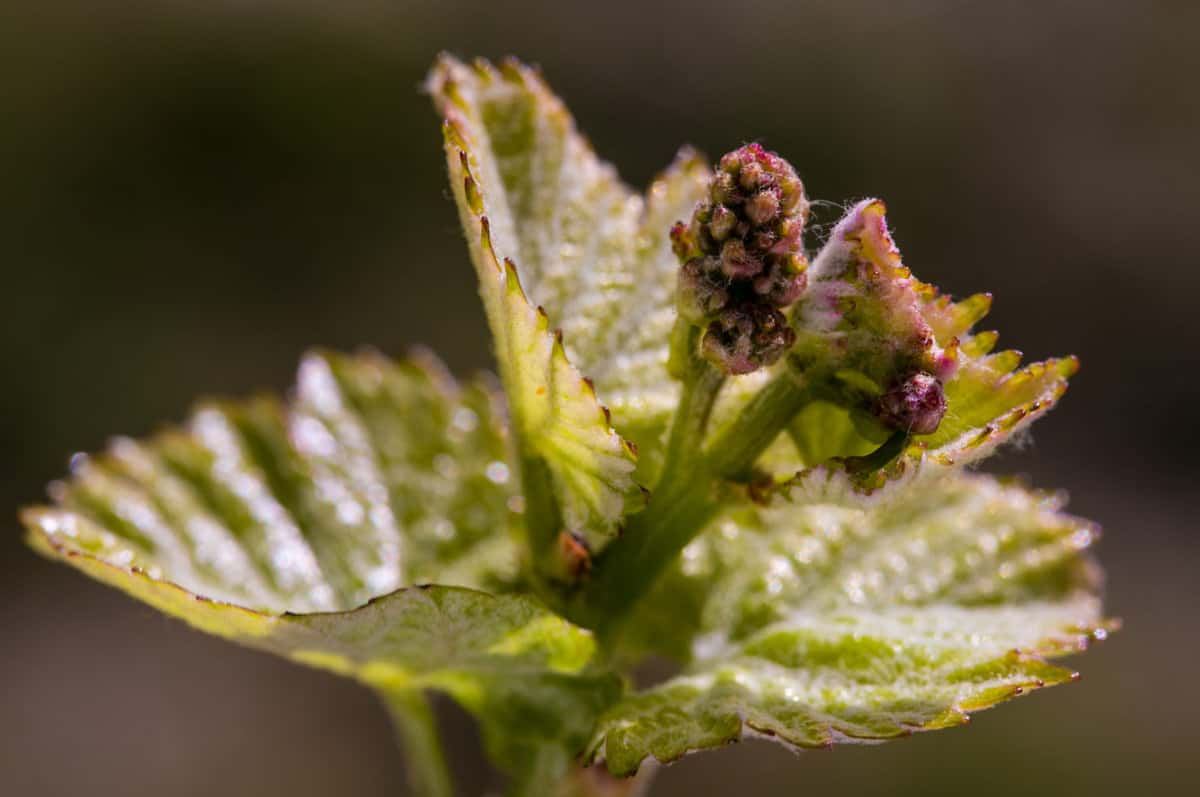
(378, 475)
(821, 623)
(559, 243)
(297, 529)
(990, 398)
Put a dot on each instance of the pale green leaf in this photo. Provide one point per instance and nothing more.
(560, 243)
(257, 519)
(525, 673)
(377, 476)
(989, 398)
(817, 623)
(823, 430)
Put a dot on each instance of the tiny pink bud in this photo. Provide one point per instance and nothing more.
(784, 282)
(736, 262)
(723, 222)
(748, 337)
(702, 289)
(916, 404)
(751, 176)
(788, 235)
(681, 241)
(762, 207)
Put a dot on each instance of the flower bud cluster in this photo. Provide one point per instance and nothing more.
(743, 259)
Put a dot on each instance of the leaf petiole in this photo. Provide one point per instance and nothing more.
(628, 567)
(742, 441)
(417, 735)
(688, 494)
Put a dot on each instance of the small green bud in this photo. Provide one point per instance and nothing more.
(723, 189)
(682, 242)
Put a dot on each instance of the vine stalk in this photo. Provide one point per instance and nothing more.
(417, 735)
(687, 495)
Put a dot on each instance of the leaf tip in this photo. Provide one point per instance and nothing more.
(485, 244)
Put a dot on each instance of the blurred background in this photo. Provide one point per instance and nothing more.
(192, 193)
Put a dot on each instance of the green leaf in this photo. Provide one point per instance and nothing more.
(989, 398)
(524, 672)
(257, 519)
(560, 243)
(861, 326)
(823, 430)
(989, 401)
(884, 600)
(378, 475)
(818, 623)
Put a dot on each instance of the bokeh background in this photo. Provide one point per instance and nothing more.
(191, 193)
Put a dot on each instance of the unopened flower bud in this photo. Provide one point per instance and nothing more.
(723, 188)
(723, 222)
(751, 175)
(737, 262)
(787, 235)
(762, 207)
(783, 283)
(682, 243)
(703, 289)
(915, 404)
(791, 195)
(745, 338)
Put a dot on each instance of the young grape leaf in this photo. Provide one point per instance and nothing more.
(818, 623)
(378, 475)
(988, 397)
(257, 520)
(558, 240)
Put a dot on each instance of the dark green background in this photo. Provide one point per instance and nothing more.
(193, 192)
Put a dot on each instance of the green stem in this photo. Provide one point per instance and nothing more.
(543, 522)
(686, 498)
(614, 585)
(545, 770)
(416, 729)
(690, 422)
(735, 448)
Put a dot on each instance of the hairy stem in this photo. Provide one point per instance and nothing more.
(543, 521)
(701, 385)
(626, 569)
(417, 734)
(735, 447)
(687, 496)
